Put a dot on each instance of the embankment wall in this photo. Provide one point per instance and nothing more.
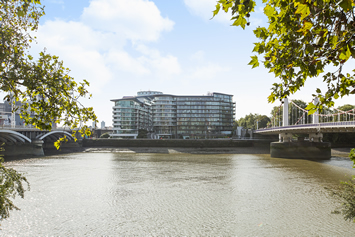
(200, 143)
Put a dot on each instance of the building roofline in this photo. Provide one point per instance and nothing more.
(151, 96)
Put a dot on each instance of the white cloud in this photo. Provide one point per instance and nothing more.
(198, 56)
(96, 48)
(131, 19)
(121, 60)
(164, 66)
(204, 9)
(208, 71)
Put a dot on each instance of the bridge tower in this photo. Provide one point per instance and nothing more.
(285, 113)
(287, 148)
(315, 115)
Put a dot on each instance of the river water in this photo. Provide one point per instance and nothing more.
(122, 194)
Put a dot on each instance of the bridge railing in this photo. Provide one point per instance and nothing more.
(325, 124)
(298, 115)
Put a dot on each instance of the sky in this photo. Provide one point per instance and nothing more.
(125, 46)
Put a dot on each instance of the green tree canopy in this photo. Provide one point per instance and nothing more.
(11, 184)
(346, 107)
(47, 93)
(250, 121)
(44, 87)
(302, 39)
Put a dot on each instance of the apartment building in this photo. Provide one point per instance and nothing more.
(174, 116)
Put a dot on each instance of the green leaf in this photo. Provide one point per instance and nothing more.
(346, 5)
(345, 54)
(334, 41)
(269, 10)
(215, 12)
(254, 61)
(240, 22)
(20, 13)
(303, 9)
(311, 108)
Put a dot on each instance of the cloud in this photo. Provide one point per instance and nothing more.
(204, 9)
(131, 19)
(198, 56)
(164, 66)
(79, 47)
(208, 71)
(101, 45)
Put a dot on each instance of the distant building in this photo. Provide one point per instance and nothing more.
(102, 124)
(6, 115)
(173, 116)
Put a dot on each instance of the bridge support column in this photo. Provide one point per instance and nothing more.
(37, 149)
(316, 137)
(25, 149)
(285, 137)
(301, 150)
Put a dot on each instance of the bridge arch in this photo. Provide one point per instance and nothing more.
(9, 136)
(55, 135)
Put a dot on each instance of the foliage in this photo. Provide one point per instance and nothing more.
(11, 185)
(294, 114)
(105, 135)
(235, 125)
(250, 121)
(346, 107)
(302, 40)
(142, 133)
(347, 194)
(352, 156)
(47, 93)
(339, 138)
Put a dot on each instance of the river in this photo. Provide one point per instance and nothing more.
(123, 194)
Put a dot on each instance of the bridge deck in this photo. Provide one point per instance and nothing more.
(333, 127)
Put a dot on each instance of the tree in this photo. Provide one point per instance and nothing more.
(263, 121)
(11, 185)
(47, 93)
(346, 108)
(302, 39)
(347, 194)
(250, 121)
(44, 87)
(105, 135)
(341, 138)
(142, 133)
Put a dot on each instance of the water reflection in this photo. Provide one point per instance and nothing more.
(177, 194)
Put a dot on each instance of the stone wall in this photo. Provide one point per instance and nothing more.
(26, 149)
(198, 143)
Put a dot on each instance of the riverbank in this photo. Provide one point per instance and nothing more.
(176, 150)
(335, 152)
(169, 147)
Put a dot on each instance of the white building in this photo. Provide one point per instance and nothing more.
(172, 116)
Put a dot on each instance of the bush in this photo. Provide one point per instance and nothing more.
(11, 185)
(347, 194)
(105, 135)
(142, 133)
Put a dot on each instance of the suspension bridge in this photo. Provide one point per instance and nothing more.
(292, 119)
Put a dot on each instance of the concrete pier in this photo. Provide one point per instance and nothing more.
(301, 150)
(26, 149)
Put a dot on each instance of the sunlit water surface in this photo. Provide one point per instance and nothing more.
(111, 194)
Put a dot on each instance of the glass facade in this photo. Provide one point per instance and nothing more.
(172, 116)
(130, 115)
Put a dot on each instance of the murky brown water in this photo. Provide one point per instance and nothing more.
(108, 194)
